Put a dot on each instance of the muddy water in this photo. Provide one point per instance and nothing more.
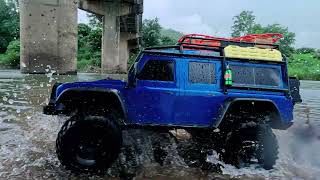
(27, 137)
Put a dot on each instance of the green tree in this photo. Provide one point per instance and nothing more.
(9, 23)
(12, 55)
(89, 46)
(166, 40)
(150, 34)
(172, 34)
(286, 43)
(95, 21)
(243, 23)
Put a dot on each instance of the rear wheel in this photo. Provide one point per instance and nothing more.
(248, 145)
(89, 144)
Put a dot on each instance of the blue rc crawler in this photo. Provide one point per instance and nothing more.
(227, 94)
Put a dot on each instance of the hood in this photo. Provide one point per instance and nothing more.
(102, 84)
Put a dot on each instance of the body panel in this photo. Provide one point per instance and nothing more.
(180, 102)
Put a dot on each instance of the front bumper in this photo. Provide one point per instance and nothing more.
(49, 110)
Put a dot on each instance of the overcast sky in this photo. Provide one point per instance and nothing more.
(214, 17)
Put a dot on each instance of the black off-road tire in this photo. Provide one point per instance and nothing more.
(269, 148)
(255, 142)
(89, 144)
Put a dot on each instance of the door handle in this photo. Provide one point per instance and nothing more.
(169, 92)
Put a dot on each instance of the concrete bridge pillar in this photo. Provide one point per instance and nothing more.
(118, 32)
(49, 36)
(48, 33)
(111, 39)
(128, 41)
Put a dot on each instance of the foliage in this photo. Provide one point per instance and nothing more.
(172, 34)
(150, 34)
(305, 51)
(153, 34)
(286, 43)
(305, 66)
(317, 54)
(9, 21)
(95, 21)
(89, 47)
(244, 24)
(12, 55)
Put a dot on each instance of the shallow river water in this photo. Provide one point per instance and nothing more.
(27, 137)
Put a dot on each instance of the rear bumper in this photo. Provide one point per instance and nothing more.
(281, 126)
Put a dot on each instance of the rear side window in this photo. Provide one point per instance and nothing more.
(158, 70)
(247, 75)
(202, 73)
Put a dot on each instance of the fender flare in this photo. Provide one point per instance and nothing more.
(226, 106)
(64, 95)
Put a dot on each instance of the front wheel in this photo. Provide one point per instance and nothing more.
(249, 145)
(89, 144)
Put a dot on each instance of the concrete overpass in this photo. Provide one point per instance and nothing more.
(48, 33)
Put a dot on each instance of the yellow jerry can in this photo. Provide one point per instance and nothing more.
(233, 51)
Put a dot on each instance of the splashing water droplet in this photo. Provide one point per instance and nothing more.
(41, 84)
(15, 95)
(5, 99)
(10, 101)
(28, 87)
(51, 79)
(18, 111)
(23, 64)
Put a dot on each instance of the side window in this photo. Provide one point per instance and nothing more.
(202, 73)
(158, 70)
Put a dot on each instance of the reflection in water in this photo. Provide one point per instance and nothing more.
(27, 137)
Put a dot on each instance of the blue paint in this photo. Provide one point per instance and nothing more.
(180, 102)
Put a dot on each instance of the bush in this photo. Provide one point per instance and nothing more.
(317, 54)
(305, 50)
(12, 55)
(304, 66)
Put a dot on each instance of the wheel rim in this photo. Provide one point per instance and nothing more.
(86, 155)
(248, 152)
(89, 149)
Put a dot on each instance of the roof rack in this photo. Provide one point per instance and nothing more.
(267, 40)
(204, 42)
